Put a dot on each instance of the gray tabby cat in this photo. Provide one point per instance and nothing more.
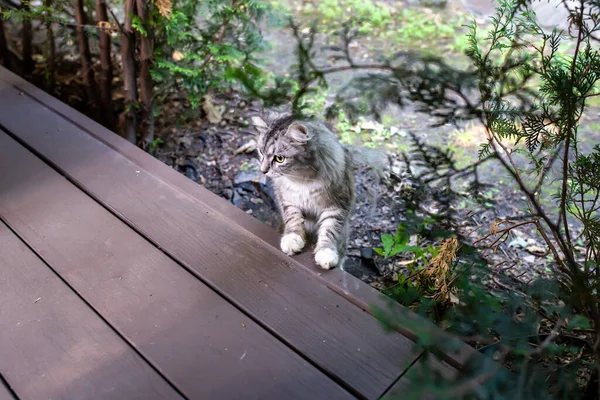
(313, 181)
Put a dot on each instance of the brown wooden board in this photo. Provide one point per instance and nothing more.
(5, 394)
(356, 291)
(272, 288)
(54, 346)
(201, 343)
(369, 299)
(436, 366)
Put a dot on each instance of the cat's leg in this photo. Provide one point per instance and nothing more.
(294, 235)
(331, 232)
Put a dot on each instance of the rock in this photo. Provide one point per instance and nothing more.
(353, 253)
(250, 176)
(227, 193)
(358, 268)
(366, 253)
(191, 171)
(237, 198)
(518, 242)
(536, 250)
(529, 259)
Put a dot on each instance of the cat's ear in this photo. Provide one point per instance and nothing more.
(260, 124)
(299, 133)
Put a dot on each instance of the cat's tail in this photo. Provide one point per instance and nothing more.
(376, 161)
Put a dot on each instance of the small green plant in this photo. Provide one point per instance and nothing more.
(154, 144)
(365, 132)
(247, 166)
(195, 56)
(435, 30)
(368, 16)
(532, 135)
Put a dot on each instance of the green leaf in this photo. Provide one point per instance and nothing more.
(138, 25)
(387, 242)
(579, 322)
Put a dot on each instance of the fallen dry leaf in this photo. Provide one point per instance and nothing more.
(536, 250)
(248, 147)
(214, 113)
(105, 25)
(177, 55)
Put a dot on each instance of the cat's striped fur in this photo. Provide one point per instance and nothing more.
(313, 181)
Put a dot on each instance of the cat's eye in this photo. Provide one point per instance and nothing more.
(279, 159)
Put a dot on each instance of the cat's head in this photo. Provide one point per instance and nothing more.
(284, 148)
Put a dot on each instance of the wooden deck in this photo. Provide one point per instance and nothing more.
(122, 279)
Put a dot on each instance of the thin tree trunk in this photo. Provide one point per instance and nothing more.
(51, 52)
(27, 37)
(129, 77)
(146, 84)
(4, 53)
(86, 62)
(106, 65)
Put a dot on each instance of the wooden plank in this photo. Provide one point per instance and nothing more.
(399, 389)
(201, 343)
(54, 346)
(5, 394)
(162, 171)
(262, 281)
(356, 291)
(367, 298)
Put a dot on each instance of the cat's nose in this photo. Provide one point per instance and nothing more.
(264, 167)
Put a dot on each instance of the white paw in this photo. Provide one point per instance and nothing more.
(292, 243)
(327, 258)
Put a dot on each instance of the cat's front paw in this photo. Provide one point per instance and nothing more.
(292, 243)
(327, 258)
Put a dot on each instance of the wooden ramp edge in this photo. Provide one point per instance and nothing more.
(199, 342)
(343, 284)
(5, 392)
(346, 343)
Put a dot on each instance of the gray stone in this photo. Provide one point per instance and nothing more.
(250, 176)
(366, 253)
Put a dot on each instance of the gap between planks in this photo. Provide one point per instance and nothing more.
(367, 374)
(339, 281)
(117, 278)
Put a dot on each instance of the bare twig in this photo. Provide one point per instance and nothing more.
(4, 52)
(550, 338)
(504, 231)
(93, 99)
(106, 65)
(146, 84)
(27, 38)
(129, 125)
(51, 52)
(570, 131)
